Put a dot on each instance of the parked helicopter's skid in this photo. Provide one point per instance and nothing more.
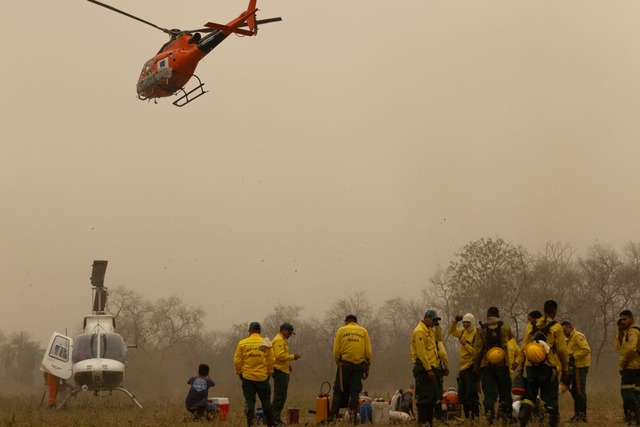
(169, 71)
(96, 359)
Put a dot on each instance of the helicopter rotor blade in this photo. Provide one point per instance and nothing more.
(164, 30)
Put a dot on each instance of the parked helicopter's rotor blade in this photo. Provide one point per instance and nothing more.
(98, 272)
(164, 30)
(260, 21)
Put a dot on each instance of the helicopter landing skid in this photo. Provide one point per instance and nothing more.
(75, 390)
(184, 99)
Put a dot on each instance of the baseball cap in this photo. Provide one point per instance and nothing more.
(255, 325)
(288, 327)
(432, 314)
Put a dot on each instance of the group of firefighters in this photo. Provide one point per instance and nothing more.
(553, 356)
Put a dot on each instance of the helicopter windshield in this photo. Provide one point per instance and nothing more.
(111, 347)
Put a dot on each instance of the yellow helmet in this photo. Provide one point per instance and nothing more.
(495, 355)
(535, 353)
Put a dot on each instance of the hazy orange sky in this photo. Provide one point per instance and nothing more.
(354, 146)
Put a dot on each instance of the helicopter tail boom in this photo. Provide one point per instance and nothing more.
(232, 27)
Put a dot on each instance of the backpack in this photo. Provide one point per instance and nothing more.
(540, 334)
(493, 335)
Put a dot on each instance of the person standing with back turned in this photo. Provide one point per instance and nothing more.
(492, 363)
(253, 362)
(352, 354)
(542, 375)
(281, 370)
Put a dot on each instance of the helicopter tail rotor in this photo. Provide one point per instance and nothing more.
(251, 19)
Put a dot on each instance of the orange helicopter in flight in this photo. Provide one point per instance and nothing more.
(171, 68)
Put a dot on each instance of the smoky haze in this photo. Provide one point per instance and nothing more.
(355, 146)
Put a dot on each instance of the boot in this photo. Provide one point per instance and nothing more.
(422, 414)
(554, 417)
(576, 411)
(491, 415)
(430, 409)
(525, 414)
(475, 411)
(250, 417)
(268, 416)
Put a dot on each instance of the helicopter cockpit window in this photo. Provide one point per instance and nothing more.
(114, 348)
(82, 348)
(111, 347)
(60, 349)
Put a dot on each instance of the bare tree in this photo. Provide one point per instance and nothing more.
(602, 280)
(488, 273)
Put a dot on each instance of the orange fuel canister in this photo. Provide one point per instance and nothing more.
(323, 405)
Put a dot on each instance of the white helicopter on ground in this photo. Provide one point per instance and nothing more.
(97, 358)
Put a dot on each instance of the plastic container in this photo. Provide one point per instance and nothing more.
(223, 405)
(323, 407)
(293, 416)
(365, 412)
(380, 413)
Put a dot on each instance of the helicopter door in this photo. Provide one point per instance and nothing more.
(57, 356)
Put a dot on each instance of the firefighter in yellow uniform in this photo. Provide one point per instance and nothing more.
(281, 369)
(544, 349)
(579, 362)
(629, 365)
(425, 358)
(468, 377)
(352, 354)
(492, 363)
(253, 362)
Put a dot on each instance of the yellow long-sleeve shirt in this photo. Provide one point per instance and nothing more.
(253, 361)
(482, 340)
(352, 344)
(513, 349)
(443, 356)
(579, 349)
(626, 343)
(467, 352)
(423, 347)
(281, 354)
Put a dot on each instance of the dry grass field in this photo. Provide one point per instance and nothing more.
(86, 410)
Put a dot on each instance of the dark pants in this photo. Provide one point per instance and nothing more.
(426, 394)
(468, 392)
(543, 378)
(630, 390)
(280, 387)
(263, 390)
(496, 382)
(437, 409)
(578, 387)
(347, 388)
